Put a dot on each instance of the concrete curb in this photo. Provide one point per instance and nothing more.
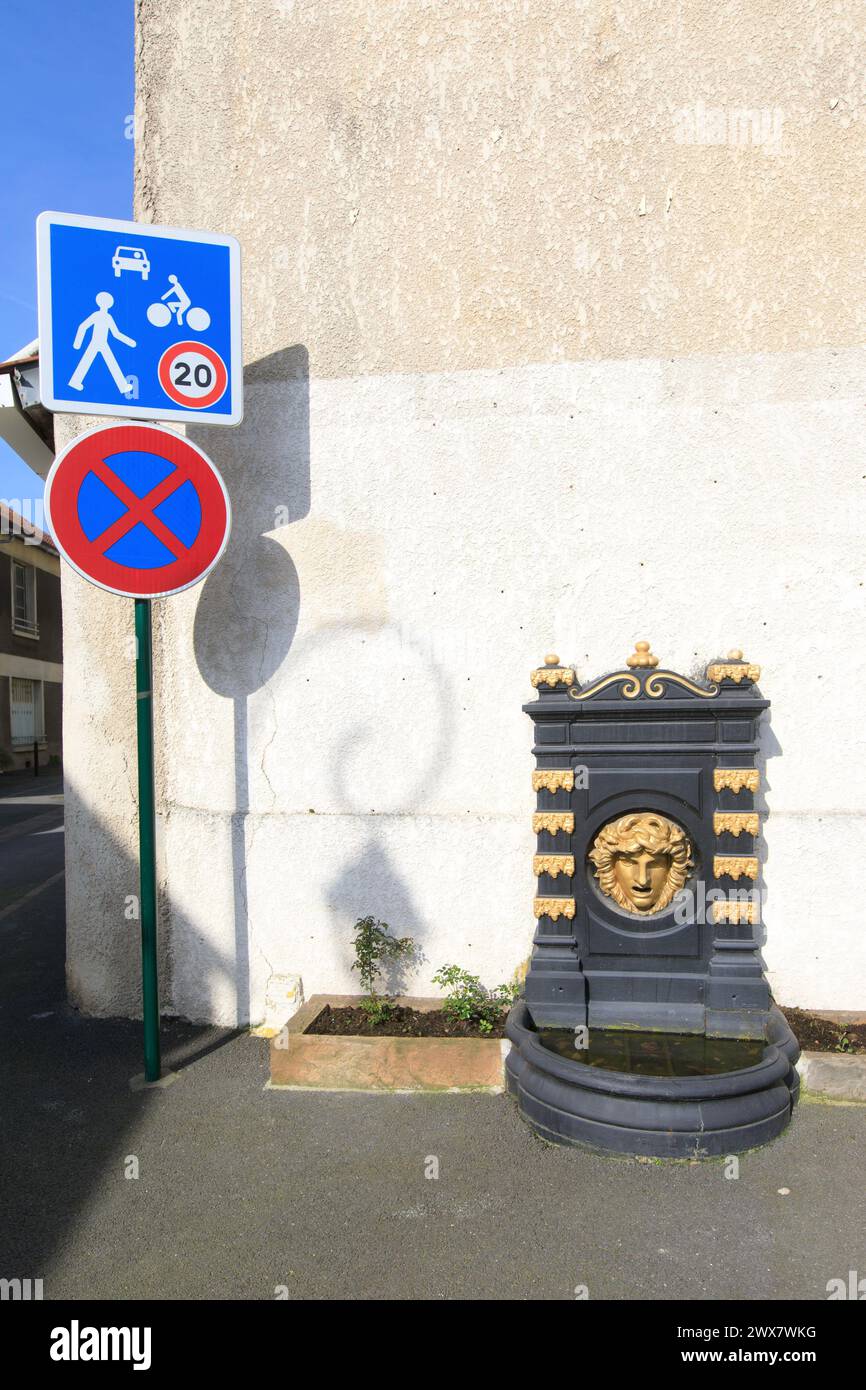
(834, 1075)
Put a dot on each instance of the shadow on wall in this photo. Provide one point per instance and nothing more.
(245, 626)
(372, 884)
(372, 879)
(768, 747)
(247, 612)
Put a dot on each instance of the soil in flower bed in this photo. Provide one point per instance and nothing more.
(816, 1034)
(400, 1023)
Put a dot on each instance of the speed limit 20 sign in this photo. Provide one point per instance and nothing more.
(193, 374)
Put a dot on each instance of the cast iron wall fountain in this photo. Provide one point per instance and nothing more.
(647, 1025)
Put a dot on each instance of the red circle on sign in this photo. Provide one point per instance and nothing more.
(90, 456)
(167, 361)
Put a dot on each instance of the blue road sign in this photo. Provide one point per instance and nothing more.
(138, 321)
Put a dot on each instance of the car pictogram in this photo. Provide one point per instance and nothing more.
(130, 258)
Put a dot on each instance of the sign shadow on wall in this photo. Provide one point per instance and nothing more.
(371, 884)
(248, 609)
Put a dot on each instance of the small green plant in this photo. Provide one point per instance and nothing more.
(373, 945)
(843, 1042)
(469, 1001)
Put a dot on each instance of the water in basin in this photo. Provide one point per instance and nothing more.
(655, 1054)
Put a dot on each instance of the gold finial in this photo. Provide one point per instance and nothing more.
(642, 656)
(734, 668)
(551, 673)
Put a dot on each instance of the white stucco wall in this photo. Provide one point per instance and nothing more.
(525, 414)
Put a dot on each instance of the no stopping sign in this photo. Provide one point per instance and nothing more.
(137, 510)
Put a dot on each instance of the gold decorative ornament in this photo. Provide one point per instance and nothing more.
(736, 778)
(734, 669)
(737, 914)
(553, 864)
(654, 686)
(736, 822)
(642, 656)
(641, 860)
(735, 866)
(553, 779)
(553, 907)
(630, 686)
(551, 673)
(553, 821)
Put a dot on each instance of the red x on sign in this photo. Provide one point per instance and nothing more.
(137, 509)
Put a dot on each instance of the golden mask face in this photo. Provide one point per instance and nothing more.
(642, 878)
(641, 860)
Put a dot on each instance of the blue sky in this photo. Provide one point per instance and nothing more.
(66, 78)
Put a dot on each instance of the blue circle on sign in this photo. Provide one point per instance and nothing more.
(99, 508)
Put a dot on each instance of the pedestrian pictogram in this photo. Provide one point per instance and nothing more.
(174, 299)
(101, 327)
(137, 509)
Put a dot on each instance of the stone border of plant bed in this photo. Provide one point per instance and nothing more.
(302, 1061)
(833, 1075)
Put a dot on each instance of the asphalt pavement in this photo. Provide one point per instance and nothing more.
(215, 1187)
(31, 833)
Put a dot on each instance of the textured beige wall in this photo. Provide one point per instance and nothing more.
(553, 322)
(469, 183)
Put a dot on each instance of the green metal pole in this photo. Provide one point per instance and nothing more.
(147, 838)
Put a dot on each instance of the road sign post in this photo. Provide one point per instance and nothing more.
(141, 322)
(142, 512)
(147, 839)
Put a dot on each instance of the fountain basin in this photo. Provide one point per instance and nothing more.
(569, 1101)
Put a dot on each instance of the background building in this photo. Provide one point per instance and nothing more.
(554, 326)
(31, 645)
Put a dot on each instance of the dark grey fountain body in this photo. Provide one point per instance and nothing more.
(646, 740)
